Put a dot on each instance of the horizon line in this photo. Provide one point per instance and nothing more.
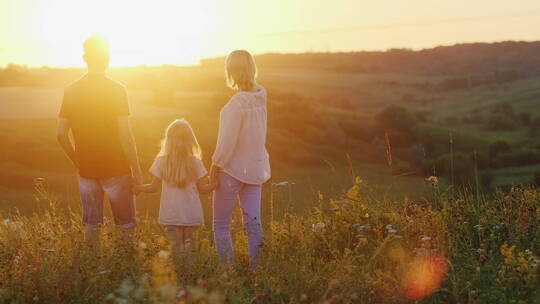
(198, 64)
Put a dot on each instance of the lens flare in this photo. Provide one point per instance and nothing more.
(424, 276)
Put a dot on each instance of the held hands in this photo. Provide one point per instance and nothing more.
(213, 175)
(137, 189)
(205, 185)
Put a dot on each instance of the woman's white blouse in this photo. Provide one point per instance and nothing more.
(241, 146)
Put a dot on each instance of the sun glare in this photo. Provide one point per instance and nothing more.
(139, 32)
(424, 276)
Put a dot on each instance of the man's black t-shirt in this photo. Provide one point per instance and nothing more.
(92, 106)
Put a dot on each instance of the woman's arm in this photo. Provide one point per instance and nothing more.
(149, 188)
(230, 123)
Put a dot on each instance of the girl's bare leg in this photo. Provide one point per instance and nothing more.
(175, 236)
(189, 245)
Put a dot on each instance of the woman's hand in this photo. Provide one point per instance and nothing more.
(213, 175)
(205, 186)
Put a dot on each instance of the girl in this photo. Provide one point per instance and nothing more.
(180, 173)
(240, 162)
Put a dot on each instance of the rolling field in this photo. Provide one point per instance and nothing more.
(30, 150)
(349, 216)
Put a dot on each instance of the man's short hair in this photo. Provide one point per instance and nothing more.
(96, 44)
(96, 50)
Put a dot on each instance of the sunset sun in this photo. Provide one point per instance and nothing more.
(139, 32)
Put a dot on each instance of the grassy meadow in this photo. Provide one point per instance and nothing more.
(398, 177)
(458, 248)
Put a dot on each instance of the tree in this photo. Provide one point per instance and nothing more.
(525, 118)
(486, 179)
(498, 122)
(537, 178)
(396, 117)
(499, 146)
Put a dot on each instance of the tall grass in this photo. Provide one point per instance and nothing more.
(352, 250)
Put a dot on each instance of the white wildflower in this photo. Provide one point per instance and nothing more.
(389, 226)
(425, 238)
(122, 301)
(392, 231)
(419, 250)
(317, 226)
(283, 184)
(163, 254)
(361, 228)
(126, 287)
(433, 180)
(103, 272)
(139, 293)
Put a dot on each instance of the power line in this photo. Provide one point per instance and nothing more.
(420, 23)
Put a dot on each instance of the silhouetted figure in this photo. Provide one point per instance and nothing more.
(95, 109)
(240, 164)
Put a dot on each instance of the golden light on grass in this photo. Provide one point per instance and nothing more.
(424, 276)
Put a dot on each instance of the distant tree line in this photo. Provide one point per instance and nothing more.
(502, 61)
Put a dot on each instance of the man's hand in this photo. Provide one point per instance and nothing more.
(137, 181)
(137, 177)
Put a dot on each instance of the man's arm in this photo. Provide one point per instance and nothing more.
(130, 150)
(62, 134)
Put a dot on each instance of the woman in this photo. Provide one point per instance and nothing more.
(240, 162)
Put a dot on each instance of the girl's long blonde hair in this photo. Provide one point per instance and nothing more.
(180, 150)
(241, 70)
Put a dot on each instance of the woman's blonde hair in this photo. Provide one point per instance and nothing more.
(181, 150)
(241, 70)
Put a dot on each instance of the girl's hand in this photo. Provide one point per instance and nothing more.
(205, 185)
(146, 188)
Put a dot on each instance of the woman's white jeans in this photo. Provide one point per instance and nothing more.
(225, 198)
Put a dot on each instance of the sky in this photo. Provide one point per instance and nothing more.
(51, 32)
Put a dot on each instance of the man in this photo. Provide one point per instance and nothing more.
(95, 109)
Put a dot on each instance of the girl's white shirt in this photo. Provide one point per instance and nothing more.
(179, 206)
(241, 146)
